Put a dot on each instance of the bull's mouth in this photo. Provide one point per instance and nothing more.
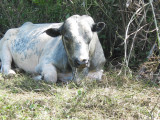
(81, 65)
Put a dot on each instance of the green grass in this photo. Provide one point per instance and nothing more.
(116, 97)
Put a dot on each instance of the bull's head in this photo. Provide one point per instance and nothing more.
(77, 34)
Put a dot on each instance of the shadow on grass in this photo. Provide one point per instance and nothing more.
(24, 83)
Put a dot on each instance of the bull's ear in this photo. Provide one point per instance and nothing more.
(53, 32)
(97, 27)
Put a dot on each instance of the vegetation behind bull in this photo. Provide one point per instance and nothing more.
(117, 14)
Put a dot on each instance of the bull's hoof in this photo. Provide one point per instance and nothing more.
(37, 78)
(11, 72)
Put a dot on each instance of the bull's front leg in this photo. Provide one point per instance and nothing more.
(6, 59)
(47, 72)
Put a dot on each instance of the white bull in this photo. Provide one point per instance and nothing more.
(55, 50)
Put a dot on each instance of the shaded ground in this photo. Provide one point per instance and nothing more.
(116, 97)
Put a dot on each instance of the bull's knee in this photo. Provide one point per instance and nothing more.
(49, 73)
(6, 59)
(50, 77)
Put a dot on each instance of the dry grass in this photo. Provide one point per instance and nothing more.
(116, 97)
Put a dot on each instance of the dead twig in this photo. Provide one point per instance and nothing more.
(127, 36)
(155, 22)
(151, 51)
(138, 29)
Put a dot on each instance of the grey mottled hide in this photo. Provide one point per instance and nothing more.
(52, 50)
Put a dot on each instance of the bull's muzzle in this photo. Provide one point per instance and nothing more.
(81, 63)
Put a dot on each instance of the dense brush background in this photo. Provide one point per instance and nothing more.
(131, 46)
(115, 13)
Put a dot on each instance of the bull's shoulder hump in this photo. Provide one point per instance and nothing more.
(27, 23)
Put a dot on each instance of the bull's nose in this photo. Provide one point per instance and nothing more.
(81, 63)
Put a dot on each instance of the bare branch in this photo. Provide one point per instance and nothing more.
(155, 22)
